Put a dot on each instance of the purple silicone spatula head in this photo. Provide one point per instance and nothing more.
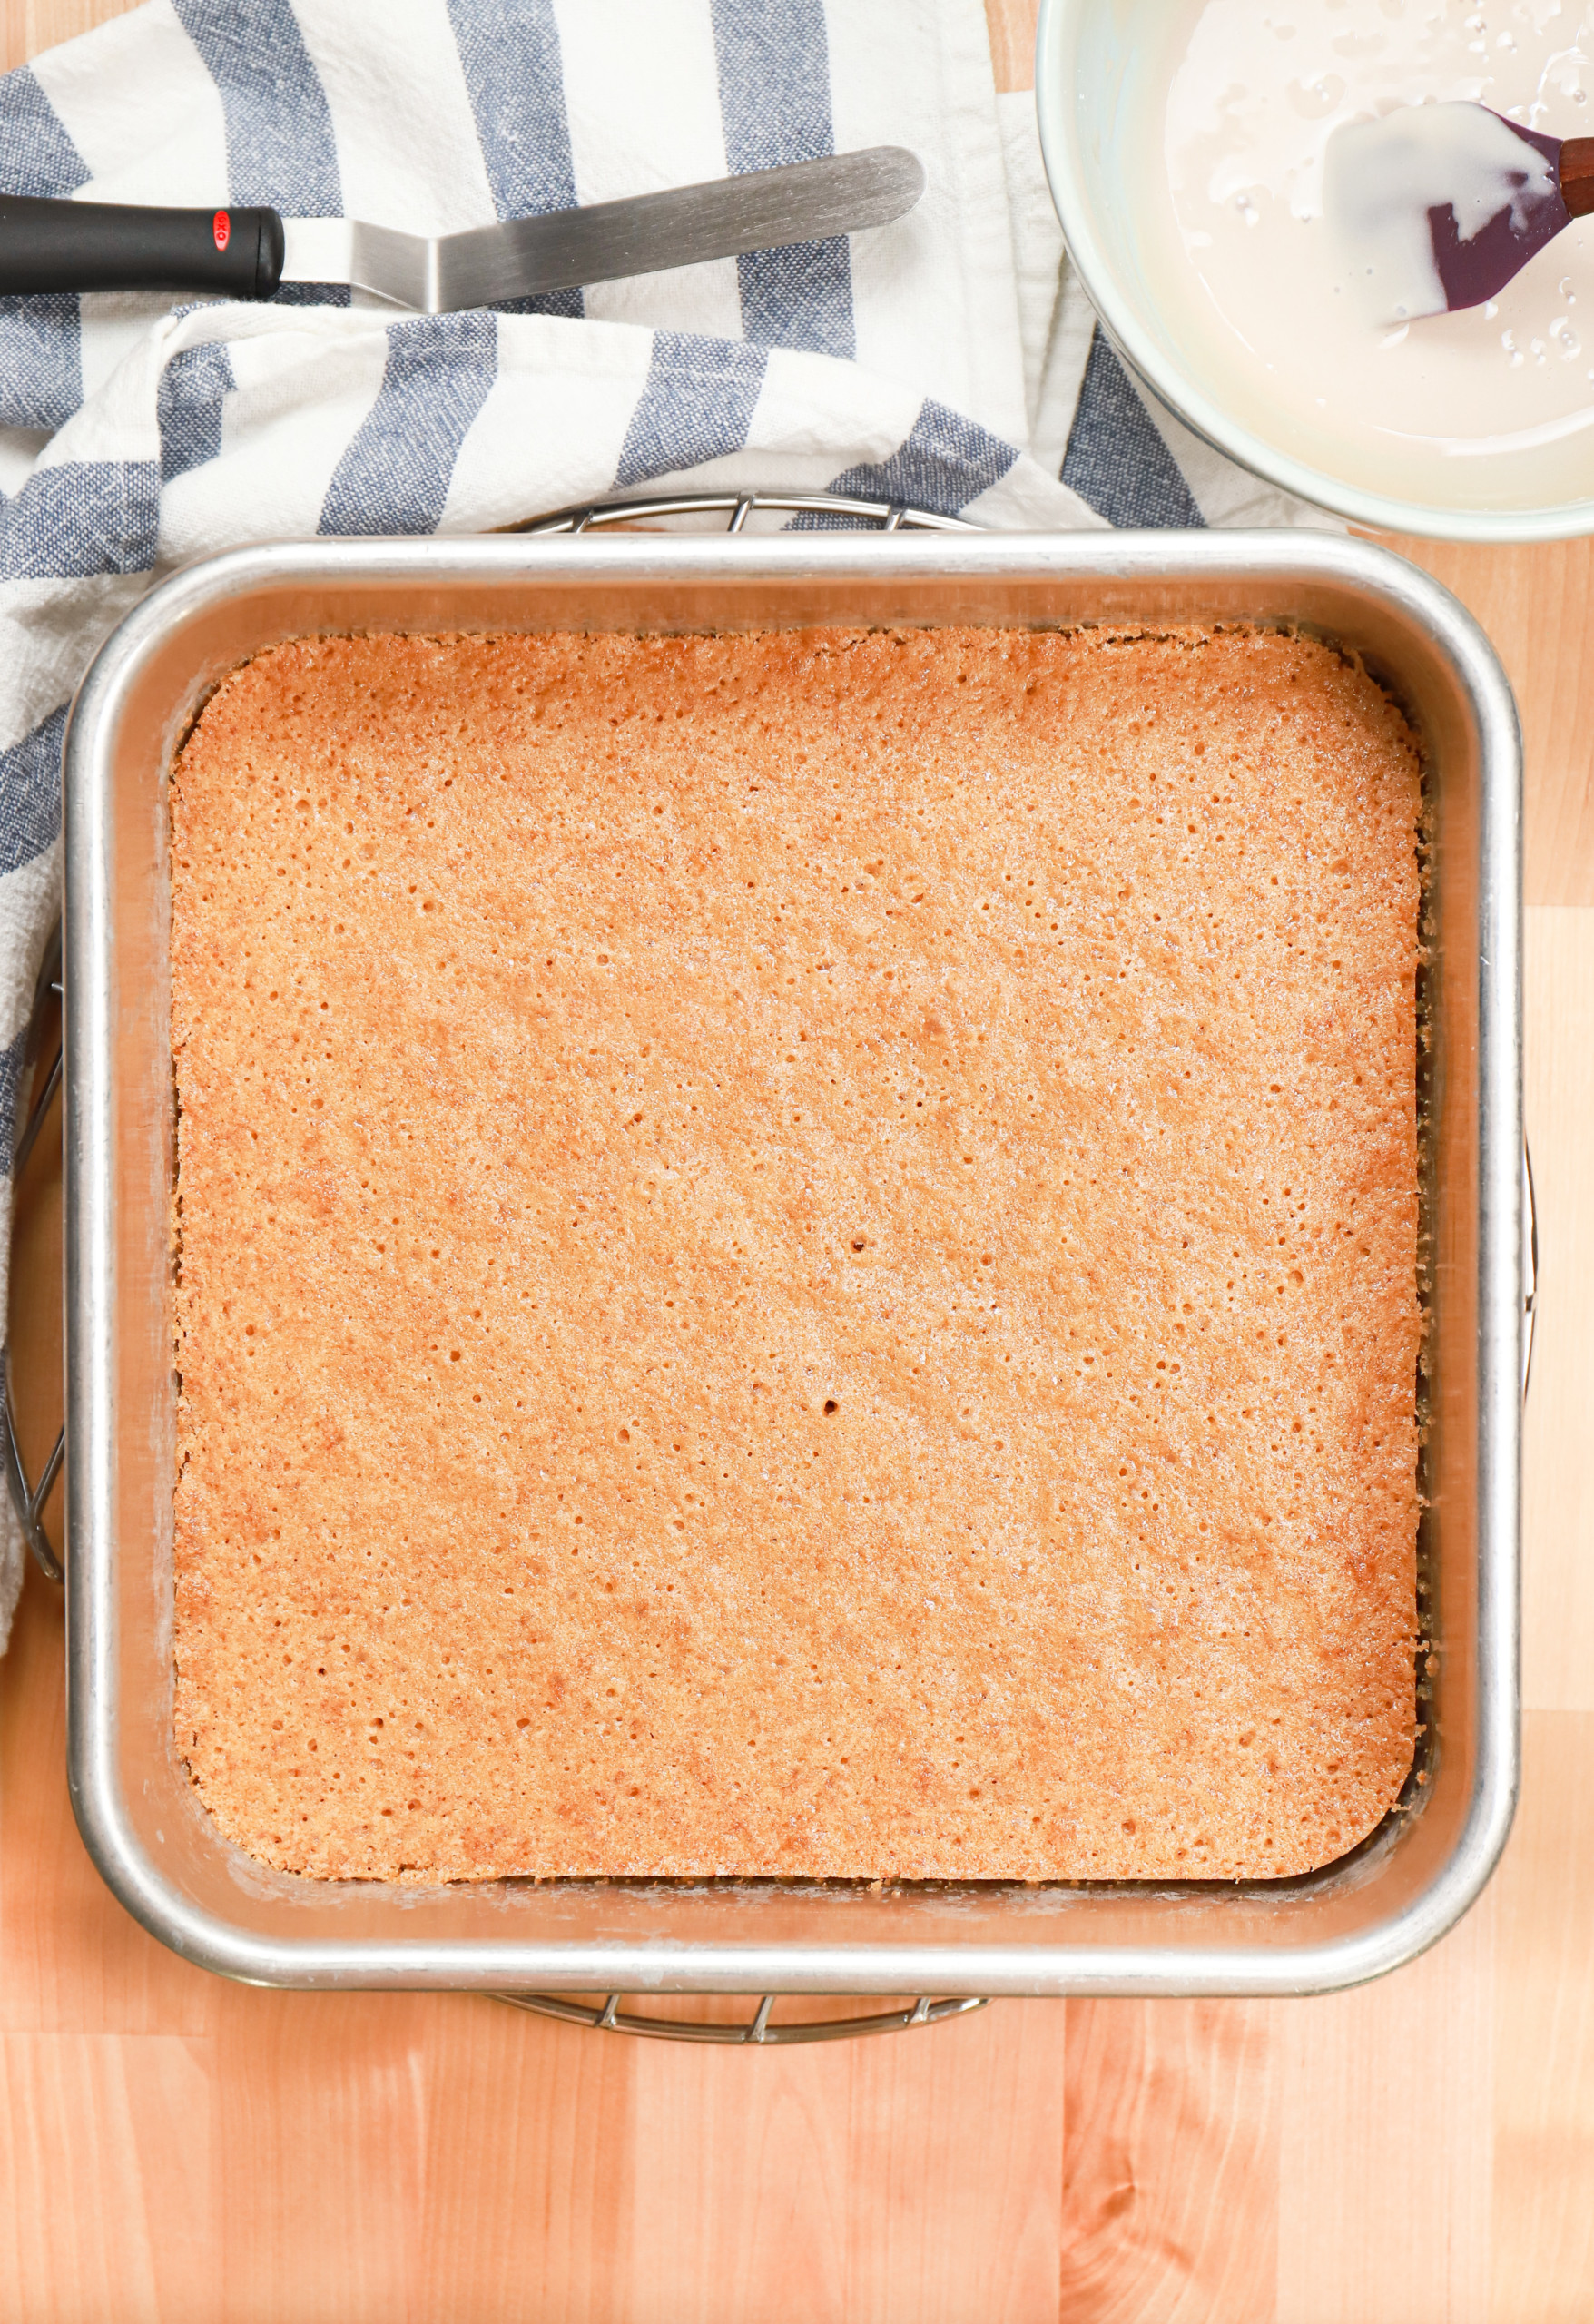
(1436, 207)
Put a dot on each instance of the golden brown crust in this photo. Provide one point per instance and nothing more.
(798, 1255)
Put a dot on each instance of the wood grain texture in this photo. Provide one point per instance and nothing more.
(860, 2182)
(1012, 42)
(330, 2105)
(28, 26)
(176, 2150)
(1386, 2103)
(1542, 2206)
(1171, 2164)
(531, 2193)
(106, 2180)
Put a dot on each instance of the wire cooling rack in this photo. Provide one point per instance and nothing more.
(759, 2031)
(736, 511)
(828, 511)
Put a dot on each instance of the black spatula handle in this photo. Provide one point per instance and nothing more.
(113, 246)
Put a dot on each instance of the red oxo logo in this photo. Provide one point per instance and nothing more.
(221, 227)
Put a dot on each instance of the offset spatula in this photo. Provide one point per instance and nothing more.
(1436, 207)
(246, 253)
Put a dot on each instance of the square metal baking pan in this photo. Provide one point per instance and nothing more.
(139, 1815)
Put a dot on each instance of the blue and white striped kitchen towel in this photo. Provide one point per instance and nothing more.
(921, 361)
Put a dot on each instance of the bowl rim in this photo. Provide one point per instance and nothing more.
(1172, 384)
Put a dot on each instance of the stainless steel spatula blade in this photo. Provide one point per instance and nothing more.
(767, 210)
(47, 243)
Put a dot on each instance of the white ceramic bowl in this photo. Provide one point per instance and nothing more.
(1087, 52)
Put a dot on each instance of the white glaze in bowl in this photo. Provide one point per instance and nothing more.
(1100, 65)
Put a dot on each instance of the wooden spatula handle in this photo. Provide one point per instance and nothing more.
(1577, 175)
